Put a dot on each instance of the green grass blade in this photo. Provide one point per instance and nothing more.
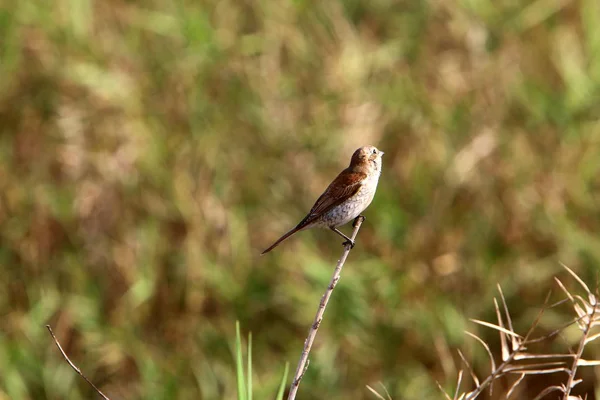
(249, 369)
(239, 364)
(283, 382)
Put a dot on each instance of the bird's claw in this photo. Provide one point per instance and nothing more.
(349, 242)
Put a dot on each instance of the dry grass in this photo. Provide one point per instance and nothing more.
(519, 357)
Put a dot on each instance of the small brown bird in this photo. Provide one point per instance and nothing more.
(346, 197)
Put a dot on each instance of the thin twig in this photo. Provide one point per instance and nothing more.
(591, 317)
(73, 365)
(500, 370)
(588, 317)
(312, 333)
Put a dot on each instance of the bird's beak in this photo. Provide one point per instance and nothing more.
(382, 153)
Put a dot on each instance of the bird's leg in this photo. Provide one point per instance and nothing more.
(359, 218)
(348, 240)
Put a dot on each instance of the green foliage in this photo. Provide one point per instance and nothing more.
(244, 382)
(149, 151)
(283, 383)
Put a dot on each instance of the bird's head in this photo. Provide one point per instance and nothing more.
(367, 157)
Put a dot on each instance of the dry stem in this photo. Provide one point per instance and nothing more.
(514, 347)
(73, 365)
(312, 333)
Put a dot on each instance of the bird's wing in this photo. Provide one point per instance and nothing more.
(341, 189)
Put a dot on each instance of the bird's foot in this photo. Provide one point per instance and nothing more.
(349, 242)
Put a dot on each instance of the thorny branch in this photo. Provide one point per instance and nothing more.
(514, 346)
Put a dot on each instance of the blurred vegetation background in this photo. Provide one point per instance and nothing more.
(150, 150)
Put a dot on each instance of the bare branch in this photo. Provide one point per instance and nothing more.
(494, 326)
(487, 348)
(508, 318)
(548, 390)
(473, 376)
(503, 344)
(555, 332)
(73, 365)
(312, 333)
(514, 385)
(542, 371)
(560, 284)
(546, 365)
(587, 363)
(379, 396)
(515, 351)
(586, 323)
(530, 356)
(386, 391)
(446, 395)
(592, 338)
(457, 391)
(577, 278)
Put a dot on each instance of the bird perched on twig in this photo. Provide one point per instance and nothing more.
(346, 197)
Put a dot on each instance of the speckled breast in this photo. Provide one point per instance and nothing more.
(351, 208)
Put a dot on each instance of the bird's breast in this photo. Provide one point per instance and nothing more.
(353, 206)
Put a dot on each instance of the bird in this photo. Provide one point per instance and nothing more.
(350, 193)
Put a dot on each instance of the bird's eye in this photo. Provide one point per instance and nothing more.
(374, 151)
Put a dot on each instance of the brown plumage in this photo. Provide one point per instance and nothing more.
(346, 197)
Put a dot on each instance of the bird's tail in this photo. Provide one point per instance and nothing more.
(281, 239)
